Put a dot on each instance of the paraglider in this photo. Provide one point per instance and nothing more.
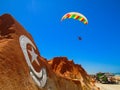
(79, 38)
(75, 15)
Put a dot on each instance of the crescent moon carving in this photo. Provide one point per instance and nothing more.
(40, 77)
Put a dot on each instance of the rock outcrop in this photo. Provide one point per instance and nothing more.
(67, 69)
(22, 67)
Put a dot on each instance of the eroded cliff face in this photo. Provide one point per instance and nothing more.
(67, 69)
(22, 67)
(14, 71)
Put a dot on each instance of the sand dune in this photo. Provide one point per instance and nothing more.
(108, 86)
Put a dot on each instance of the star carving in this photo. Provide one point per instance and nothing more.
(34, 56)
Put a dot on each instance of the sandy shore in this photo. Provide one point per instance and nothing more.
(108, 86)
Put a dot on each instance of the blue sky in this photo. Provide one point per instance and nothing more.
(99, 49)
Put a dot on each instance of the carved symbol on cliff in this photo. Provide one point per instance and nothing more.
(39, 76)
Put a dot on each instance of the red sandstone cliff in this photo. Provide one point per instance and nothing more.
(14, 72)
(67, 69)
(22, 67)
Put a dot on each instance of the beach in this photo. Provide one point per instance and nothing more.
(108, 86)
